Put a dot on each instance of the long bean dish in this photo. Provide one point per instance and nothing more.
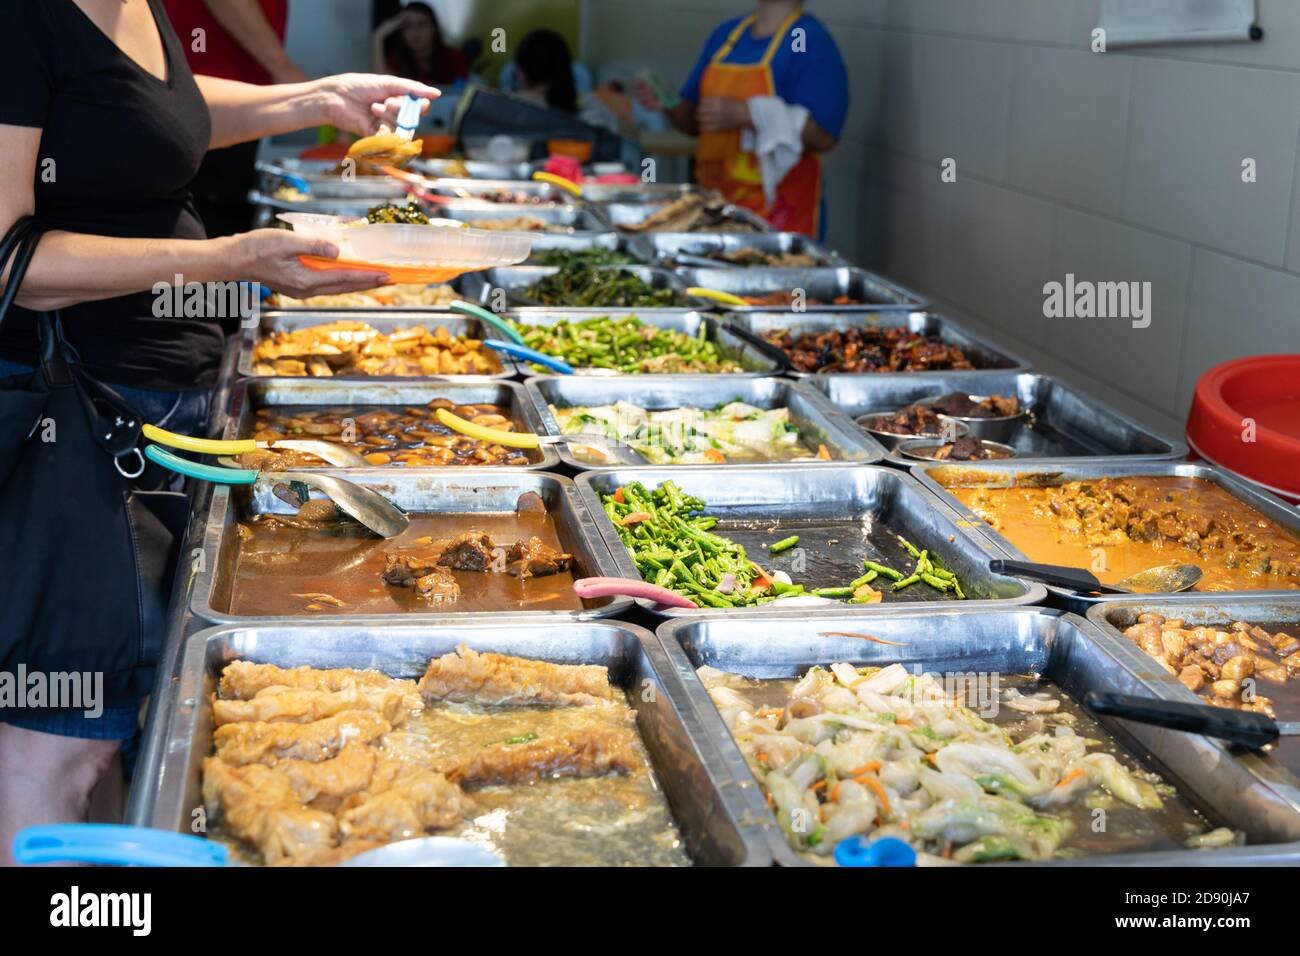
(404, 435)
(883, 751)
(627, 344)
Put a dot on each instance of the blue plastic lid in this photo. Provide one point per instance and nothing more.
(884, 851)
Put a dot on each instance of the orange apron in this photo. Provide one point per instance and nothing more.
(721, 164)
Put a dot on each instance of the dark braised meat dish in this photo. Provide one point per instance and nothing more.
(920, 420)
(961, 405)
(427, 567)
(966, 449)
(868, 349)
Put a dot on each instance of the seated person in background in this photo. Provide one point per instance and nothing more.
(411, 45)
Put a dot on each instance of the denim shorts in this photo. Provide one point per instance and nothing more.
(183, 412)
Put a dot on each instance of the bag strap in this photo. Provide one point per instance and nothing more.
(115, 425)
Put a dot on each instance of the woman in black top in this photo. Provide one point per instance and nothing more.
(102, 127)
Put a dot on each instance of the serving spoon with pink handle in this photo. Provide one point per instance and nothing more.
(615, 587)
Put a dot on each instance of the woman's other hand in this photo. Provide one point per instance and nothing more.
(359, 102)
(717, 114)
(270, 256)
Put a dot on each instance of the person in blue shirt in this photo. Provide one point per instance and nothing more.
(780, 52)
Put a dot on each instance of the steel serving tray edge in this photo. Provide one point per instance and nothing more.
(1079, 468)
(809, 408)
(707, 806)
(433, 490)
(965, 554)
(1270, 807)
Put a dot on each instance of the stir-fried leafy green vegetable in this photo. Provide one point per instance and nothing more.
(591, 256)
(582, 286)
(410, 214)
(626, 344)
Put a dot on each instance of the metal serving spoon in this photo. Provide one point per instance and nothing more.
(118, 845)
(326, 451)
(1166, 579)
(363, 504)
(612, 447)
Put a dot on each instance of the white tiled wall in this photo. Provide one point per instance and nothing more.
(1117, 166)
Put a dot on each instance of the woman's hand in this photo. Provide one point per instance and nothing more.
(359, 102)
(717, 114)
(270, 256)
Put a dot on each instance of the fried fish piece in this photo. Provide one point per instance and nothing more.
(464, 675)
(243, 680)
(580, 753)
(258, 805)
(267, 742)
(297, 705)
(403, 802)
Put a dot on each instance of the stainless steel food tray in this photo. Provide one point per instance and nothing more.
(633, 193)
(615, 241)
(569, 220)
(427, 491)
(324, 182)
(755, 361)
(1207, 610)
(475, 189)
(710, 812)
(1065, 648)
(833, 509)
(252, 394)
(666, 245)
(1061, 470)
(385, 320)
(623, 214)
(1062, 422)
(984, 354)
(515, 280)
(872, 292)
(815, 416)
(473, 168)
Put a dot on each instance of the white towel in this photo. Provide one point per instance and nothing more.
(777, 139)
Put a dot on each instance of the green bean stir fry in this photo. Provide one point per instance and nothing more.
(673, 546)
(626, 344)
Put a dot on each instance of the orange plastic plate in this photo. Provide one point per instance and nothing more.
(398, 274)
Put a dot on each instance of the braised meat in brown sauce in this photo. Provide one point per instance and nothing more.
(868, 349)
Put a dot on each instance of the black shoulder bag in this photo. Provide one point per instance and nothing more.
(87, 557)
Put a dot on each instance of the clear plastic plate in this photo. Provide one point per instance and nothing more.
(436, 252)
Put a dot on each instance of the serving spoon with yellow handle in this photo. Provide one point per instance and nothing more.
(328, 452)
(619, 451)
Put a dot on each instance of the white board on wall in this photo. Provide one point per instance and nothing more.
(1135, 22)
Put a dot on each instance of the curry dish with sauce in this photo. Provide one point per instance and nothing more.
(1141, 522)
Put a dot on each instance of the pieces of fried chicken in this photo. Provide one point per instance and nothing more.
(297, 705)
(467, 676)
(243, 680)
(258, 805)
(580, 753)
(402, 802)
(262, 742)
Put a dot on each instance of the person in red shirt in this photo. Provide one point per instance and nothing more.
(235, 40)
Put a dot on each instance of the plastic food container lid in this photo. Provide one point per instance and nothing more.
(1245, 418)
(436, 252)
